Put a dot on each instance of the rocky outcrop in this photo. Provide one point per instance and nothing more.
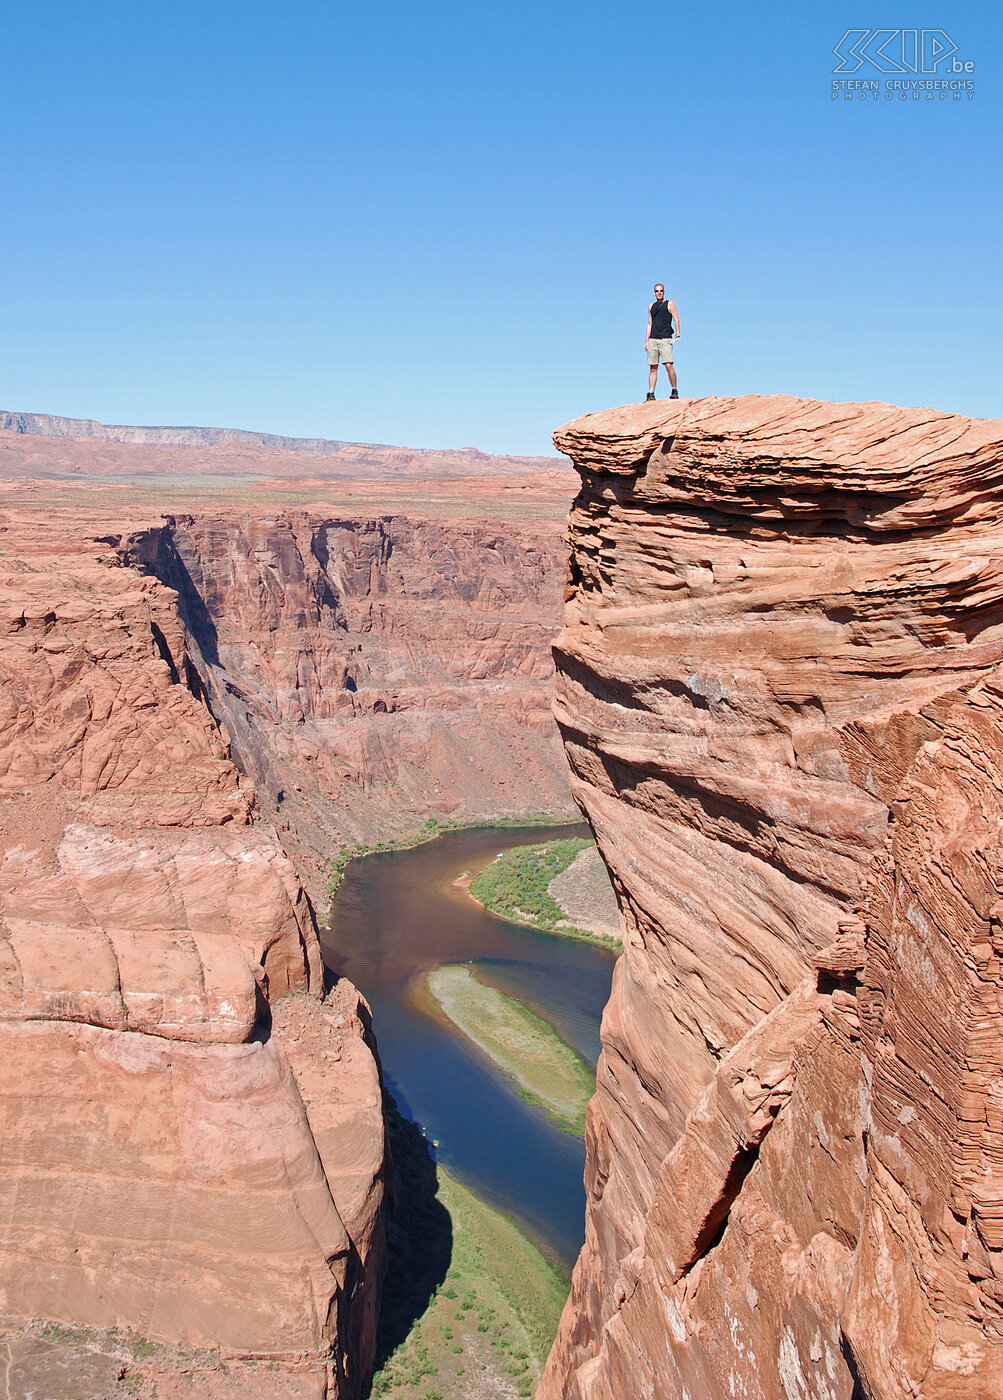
(372, 670)
(31, 443)
(191, 1140)
(779, 695)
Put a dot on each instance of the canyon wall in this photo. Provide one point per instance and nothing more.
(196, 712)
(779, 693)
(186, 1151)
(374, 669)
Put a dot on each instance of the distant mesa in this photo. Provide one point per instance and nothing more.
(34, 444)
(51, 425)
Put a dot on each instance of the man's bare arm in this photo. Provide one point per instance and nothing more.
(647, 333)
(675, 317)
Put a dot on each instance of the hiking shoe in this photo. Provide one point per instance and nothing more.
(673, 395)
(649, 398)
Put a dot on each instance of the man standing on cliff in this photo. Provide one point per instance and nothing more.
(659, 338)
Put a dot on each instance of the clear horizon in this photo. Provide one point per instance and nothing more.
(441, 228)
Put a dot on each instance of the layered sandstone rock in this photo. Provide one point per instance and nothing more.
(373, 669)
(778, 691)
(180, 1155)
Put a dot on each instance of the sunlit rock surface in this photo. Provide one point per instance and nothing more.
(779, 695)
(206, 690)
(180, 1153)
(374, 669)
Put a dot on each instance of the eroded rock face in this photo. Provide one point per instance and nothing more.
(181, 1154)
(778, 693)
(373, 669)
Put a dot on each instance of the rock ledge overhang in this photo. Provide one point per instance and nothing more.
(779, 696)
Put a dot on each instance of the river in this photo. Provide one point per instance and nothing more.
(396, 916)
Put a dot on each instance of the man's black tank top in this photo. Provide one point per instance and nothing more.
(661, 320)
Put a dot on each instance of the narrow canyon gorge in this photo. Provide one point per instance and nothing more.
(778, 704)
(779, 693)
(196, 711)
(374, 670)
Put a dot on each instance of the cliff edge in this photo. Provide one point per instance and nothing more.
(186, 1151)
(779, 695)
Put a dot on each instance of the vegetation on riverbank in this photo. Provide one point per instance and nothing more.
(470, 1305)
(430, 828)
(515, 886)
(521, 1044)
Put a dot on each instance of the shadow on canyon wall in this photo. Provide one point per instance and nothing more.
(419, 1236)
(366, 668)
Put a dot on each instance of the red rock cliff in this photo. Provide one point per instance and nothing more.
(779, 695)
(181, 1153)
(372, 669)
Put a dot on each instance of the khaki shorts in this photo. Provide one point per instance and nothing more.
(659, 350)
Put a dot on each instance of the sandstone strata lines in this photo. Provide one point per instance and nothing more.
(371, 669)
(168, 1163)
(779, 697)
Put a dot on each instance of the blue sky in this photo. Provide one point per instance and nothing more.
(440, 225)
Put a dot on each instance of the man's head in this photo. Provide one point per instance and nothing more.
(659, 291)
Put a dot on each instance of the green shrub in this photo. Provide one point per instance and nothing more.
(516, 883)
(429, 829)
